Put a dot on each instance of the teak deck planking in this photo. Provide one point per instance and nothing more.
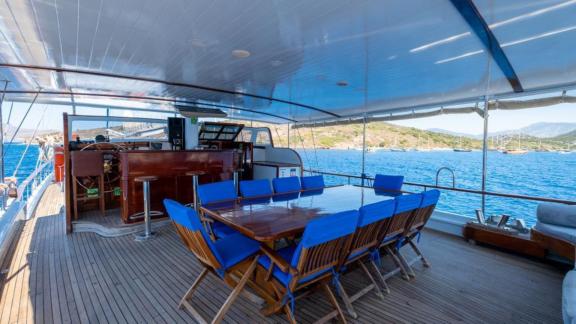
(79, 278)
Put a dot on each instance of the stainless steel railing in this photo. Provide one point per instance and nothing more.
(431, 186)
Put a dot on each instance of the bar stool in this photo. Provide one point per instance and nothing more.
(148, 234)
(195, 175)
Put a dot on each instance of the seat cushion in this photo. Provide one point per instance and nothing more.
(561, 232)
(283, 277)
(235, 248)
(557, 214)
(569, 297)
(222, 230)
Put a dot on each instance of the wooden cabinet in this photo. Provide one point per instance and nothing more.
(170, 167)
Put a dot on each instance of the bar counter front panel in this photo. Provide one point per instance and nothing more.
(170, 167)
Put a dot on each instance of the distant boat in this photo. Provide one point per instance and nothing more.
(461, 149)
(397, 149)
(515, 151)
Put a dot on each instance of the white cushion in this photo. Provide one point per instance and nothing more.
(557, 214)
(569, 298)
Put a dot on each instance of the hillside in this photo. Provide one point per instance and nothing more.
(385, 135)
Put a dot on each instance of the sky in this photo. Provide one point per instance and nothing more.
(468, 124)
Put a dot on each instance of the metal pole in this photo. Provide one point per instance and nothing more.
(288, 135)
(484, 155)
(236, 181)
(195, 186)
(73, 103)
(147, 225)
(2, 137)
(364, 150)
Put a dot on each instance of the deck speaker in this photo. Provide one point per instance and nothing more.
(176, 133)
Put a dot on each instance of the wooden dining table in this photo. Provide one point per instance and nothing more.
(269, 219)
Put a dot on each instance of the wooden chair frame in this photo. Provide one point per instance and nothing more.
(312, 260)
(197, 245)
(419, 220)
(366, 239)
(396, 228)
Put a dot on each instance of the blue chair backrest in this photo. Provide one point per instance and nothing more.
(255, 188)
(312, 182)
(188, 218)
(217, 191)
(287, 184)
(286, 196)
(376, 212)
(325, 229)
(388, 182)
(406, 203)
(430, 197)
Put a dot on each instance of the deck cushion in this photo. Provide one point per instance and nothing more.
(235, 248)
(557, 214)
(569, 298)
(561, 232)
(222, 230)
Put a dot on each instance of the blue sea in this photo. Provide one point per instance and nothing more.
(12, 155)
(549, 175)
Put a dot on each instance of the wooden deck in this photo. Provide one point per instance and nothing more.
(54, 278)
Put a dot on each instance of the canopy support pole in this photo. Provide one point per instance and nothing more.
(2, 138)
(288, 135)
(484, 155)
(363, 150)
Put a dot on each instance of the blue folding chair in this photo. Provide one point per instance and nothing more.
(391, 237)
(217, 193)
(287, 184)
(374, 218)
(414, 229)
(221, 258)
(312, 182)
(388, 185)
(325, 242)
(255, 188)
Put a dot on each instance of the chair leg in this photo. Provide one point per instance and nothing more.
(101, 195)
(374, 283)
(193, 287)
(406, 265)
(334, 302)
(289, 314)
(346, 299)
(398, 263)
(234, 294)
(419, 253)
(379, 274)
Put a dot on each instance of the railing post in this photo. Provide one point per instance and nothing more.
(485, 155)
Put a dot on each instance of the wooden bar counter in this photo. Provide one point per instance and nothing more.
(170, 167)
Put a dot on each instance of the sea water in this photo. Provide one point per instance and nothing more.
(539, 174)
(13, 154)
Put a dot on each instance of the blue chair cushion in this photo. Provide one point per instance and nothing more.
(235, 248)
(287, 254)
(430, 197)
(222, 230)
(286, 196)
(217, 191)
(389, 182)
(372, 213)
(288, 184)
(406, 203)
(255, 188)
(312, 182)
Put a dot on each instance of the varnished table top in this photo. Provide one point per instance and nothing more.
(269, 219)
